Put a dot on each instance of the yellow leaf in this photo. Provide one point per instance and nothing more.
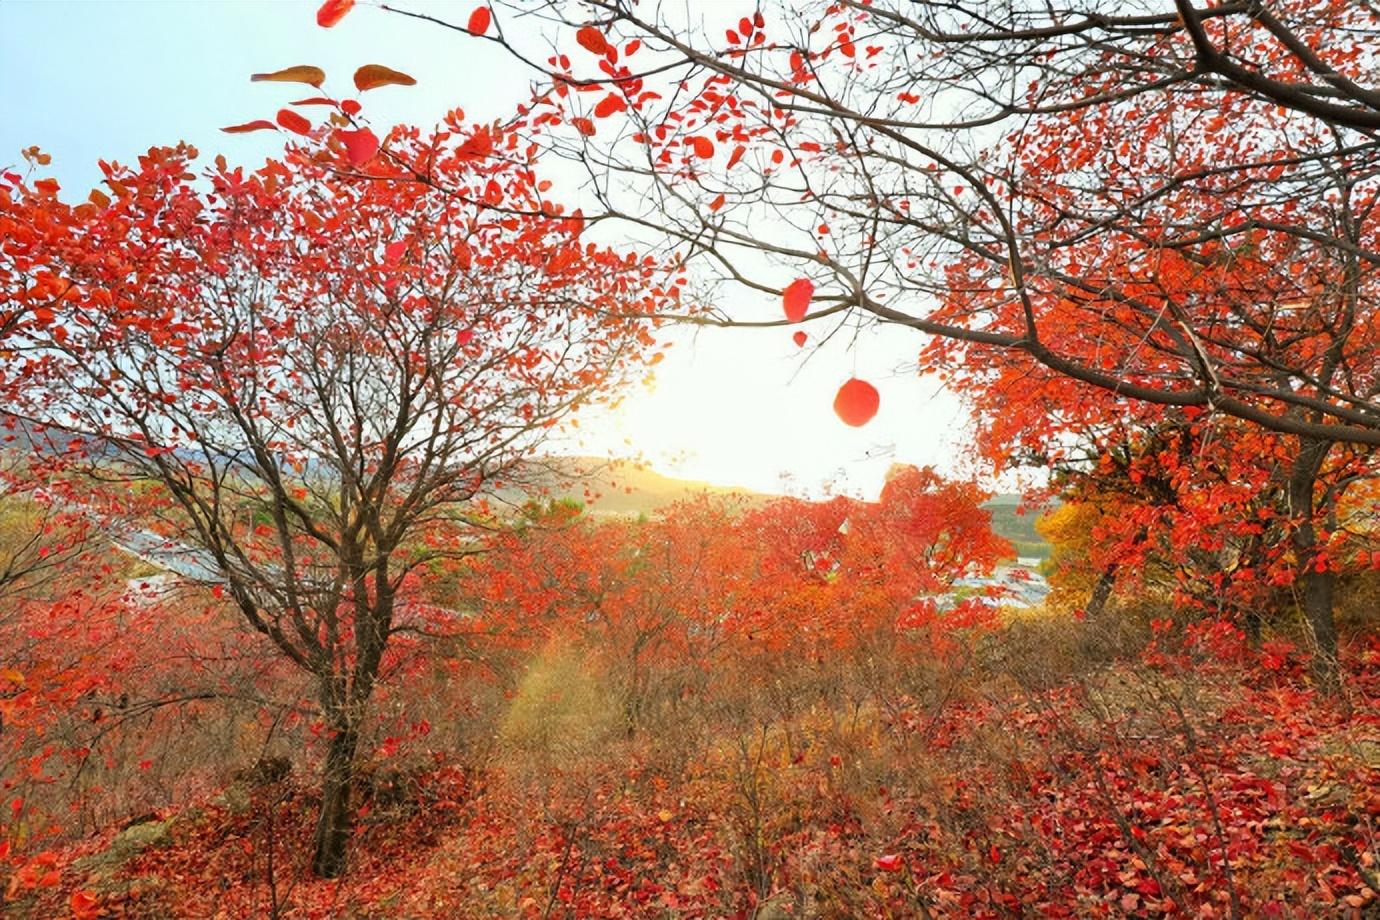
(302, 73)
(372, 75)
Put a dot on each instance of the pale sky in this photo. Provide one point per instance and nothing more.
(110, 78)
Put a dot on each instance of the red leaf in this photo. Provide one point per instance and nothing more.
(584, 126)
(891, 862)
(479, 20)
(703, 147)
(857, 402)
(477, 146)
(796, 298)
(360, 146)
(350, 107)
(394, 250)
(608, 105)
(716, 203)
(592, 40)
(293, 122)
(799, 338)
(332, 11)
(260, 125)
(464, 337)
(83, 905)
(737, 155)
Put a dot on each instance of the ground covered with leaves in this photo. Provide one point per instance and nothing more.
(1202, 779)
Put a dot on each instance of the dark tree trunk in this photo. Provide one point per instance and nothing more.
(336, 819)
(1315, 587)
(1254, 625)
(1101, 593)
(1317, 609)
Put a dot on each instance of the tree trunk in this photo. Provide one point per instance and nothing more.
(1254, 625)
(1317, 609)
(1316, 587)
(1101, 593)
(336, 820)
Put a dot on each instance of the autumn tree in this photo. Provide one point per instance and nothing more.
(1169, 207)
(651, 602)
(315, 370)
(1184, 508)
(710, 586)
(848, 570)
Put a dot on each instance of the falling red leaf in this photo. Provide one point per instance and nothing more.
(371, 76)
(302, 73)
(857, 402)
(332, 11)
(592, 40)
(799, 338)
(703, 147)
(479, 20)
(796, 298)
(260, 125)
(360, 146)
(293, 122)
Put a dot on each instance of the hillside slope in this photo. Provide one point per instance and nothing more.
(622, 488)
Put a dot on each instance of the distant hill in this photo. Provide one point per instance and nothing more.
(614, 487)
(1016, 527)
(624, 489)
